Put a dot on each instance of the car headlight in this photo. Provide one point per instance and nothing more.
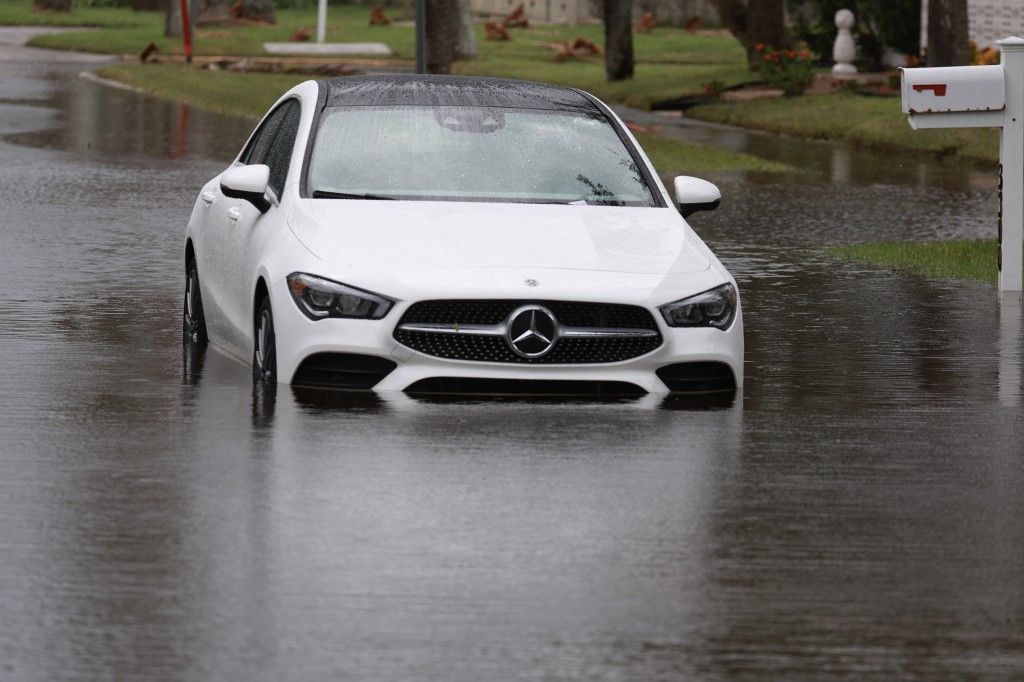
(321, 298)
(713, 308)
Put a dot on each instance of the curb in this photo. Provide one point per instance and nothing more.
(109, 82)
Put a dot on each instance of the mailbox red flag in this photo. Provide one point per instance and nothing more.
(938, 88)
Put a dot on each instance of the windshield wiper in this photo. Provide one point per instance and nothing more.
(324, 194)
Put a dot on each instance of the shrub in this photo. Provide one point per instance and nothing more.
(790, 70)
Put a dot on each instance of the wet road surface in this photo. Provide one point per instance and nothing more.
(855, 513)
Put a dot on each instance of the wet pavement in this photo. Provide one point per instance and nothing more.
(854, 513)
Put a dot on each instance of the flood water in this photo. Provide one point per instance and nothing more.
(856, 512)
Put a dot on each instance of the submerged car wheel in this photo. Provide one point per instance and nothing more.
(193, 325)
(264, 351)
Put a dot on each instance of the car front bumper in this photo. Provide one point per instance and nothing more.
(299, 338)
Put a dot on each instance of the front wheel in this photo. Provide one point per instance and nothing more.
(193, 321)
(264, 351)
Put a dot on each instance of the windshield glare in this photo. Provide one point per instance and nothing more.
(448, 153)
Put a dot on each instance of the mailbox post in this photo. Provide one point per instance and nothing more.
(982, 97)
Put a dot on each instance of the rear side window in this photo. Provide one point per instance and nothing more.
(280, 153)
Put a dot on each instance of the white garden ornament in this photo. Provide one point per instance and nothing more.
(845, 49)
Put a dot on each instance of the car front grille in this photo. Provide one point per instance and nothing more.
(591, 333)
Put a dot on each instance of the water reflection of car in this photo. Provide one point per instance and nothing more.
(425, 233)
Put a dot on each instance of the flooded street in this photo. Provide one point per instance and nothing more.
(855, 512)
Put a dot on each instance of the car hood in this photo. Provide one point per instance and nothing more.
(427, 235)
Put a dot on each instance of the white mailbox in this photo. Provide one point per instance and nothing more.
(954, 88)
(982, 97)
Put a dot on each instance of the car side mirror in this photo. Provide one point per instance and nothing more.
(694, 194)
(248, 183)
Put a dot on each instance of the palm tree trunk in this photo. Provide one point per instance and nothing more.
(467, 36)
(442, 34)
(172, 19)
(52, 5)
(948, 42)
(753, 23)
(618, 39)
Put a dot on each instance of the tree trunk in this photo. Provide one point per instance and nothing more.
(948, 43)
(52, 5)
(766, 20)
(467, 36)
(442, 34)
(212, 12)
(618, 39)
(172, 19)
(260, 10)
(756, 22)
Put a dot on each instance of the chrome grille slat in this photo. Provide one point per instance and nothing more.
(500, 329)
(454, 328)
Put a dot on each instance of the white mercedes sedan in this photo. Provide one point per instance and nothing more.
(457, 234)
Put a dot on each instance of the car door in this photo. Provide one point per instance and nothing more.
(218, 229)
(247, 229)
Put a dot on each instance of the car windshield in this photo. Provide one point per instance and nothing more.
(450, 153)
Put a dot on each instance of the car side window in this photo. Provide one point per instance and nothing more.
(261, 142)
(279, 156)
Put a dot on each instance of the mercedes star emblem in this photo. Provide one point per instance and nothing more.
(532, 331)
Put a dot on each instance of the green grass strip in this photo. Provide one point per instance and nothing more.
(875, 122)
(959, 259)
(681, 158)
(226, 92)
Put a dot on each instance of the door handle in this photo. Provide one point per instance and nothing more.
(208, 197)
(234, 214)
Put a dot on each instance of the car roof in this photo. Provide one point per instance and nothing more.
(466, 91)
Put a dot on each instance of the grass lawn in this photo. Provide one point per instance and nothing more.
(251, 94)
(856, 119)
(227, 92)
(672, 157)
(20, 13)
(670, 62)
(974, 260)
(133, 31)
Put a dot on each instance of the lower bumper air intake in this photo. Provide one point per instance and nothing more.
(342, 370)
(698, 376)
(535, 387)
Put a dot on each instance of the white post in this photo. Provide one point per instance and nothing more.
(1011, 157)
(321, 22)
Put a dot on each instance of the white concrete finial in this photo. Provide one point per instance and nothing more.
(845, 49)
